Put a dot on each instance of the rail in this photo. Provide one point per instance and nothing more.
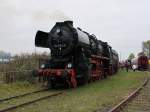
(131, 96)
(30, 102)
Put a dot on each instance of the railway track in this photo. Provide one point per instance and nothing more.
(11, 103)
(22, 95)
(138, 101)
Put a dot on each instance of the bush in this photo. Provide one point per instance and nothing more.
(21, 68)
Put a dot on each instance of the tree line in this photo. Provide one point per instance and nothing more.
(145, 50)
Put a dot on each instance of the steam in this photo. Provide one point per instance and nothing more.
(59, 16)
(56, 15)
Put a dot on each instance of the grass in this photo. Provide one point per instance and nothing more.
(24, 99)
(7, 90)
(98, 95)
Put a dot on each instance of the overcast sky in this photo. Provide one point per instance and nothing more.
(124, 24)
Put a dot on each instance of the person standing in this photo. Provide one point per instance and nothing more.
(127, 66)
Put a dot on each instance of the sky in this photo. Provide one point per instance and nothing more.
(124, 24)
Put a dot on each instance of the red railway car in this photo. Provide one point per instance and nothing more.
(141, 62)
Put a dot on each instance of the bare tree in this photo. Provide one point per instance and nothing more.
(131, 56)
(146, 47)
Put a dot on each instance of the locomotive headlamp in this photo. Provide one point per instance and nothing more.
(69, 65)
(58, 30)
(43, 66)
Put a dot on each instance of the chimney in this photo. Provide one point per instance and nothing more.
(69, 22)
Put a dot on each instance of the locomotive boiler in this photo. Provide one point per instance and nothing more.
(76, 56)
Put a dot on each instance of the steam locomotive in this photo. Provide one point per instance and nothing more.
(76, 56)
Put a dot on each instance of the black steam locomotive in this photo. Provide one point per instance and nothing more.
(76, 56)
